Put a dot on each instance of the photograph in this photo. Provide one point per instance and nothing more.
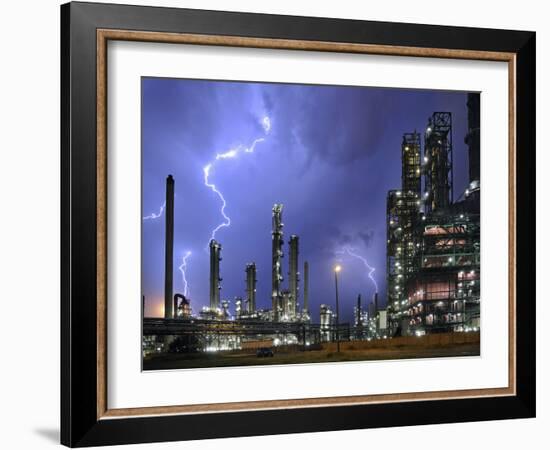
(253, 196)
(297, 224)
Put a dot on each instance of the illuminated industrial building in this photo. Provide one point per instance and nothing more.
(361, 318)
(433, 239)
(239, 311)
(403, 212)
(182, 306)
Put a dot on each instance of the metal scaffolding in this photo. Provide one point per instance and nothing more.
(432, 241)
(438, 162)
(402, 217)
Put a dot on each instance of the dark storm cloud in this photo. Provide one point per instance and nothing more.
(363, 237)
(341, 126)
(268, 102)
(338, 126)
(330, 157)
(366, 237)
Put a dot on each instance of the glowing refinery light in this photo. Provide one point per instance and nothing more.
(231, 153)
(182, 268)
(154, 215)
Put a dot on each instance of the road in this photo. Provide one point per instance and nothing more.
(181, 361)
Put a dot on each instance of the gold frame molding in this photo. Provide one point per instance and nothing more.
(105, 35)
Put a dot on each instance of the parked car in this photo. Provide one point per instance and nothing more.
(264, 352)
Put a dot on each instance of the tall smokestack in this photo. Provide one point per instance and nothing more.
(169, 249)
(251, 287)
(277, 255)
(375, 302)
(305, 307)
(293, 273)
(472, 138)
(215, 286)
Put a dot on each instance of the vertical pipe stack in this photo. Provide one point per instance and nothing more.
(277, 255)
(251, 287)
(169, 249)
(293, 274)
(215, 286)
(473, 136)
(306, 288)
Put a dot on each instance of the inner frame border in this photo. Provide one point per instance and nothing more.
(104, 35)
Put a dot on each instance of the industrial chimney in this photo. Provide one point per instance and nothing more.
(293, 274)
(215, 286)
(169, 249)
(251, 287)
(305, 307)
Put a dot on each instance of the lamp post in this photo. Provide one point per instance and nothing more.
(337, 269)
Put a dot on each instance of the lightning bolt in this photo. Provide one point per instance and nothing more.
(370, 268)
(227, 219)
(231, 153)
(182, 269)
(266, 123)
(154, 215)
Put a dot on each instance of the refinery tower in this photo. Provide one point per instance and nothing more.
(277, 256)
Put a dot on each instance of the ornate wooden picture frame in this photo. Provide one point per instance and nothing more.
(86, 418)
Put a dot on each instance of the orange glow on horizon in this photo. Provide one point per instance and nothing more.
(154, 309)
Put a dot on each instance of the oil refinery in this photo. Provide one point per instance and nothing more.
(432, 268)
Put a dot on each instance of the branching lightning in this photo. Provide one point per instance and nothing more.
(232, 153)
(369, 268)
(182, 268)
(155, 215)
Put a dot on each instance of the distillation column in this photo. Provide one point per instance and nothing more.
(305, 306)
(277, 255)
(293, 275)
(251, 287)
(215, 280)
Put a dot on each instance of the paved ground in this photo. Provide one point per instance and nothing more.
(179, 361)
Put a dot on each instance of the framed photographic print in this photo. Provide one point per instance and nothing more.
(277, 224)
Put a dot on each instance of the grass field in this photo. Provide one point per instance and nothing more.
(227, 359)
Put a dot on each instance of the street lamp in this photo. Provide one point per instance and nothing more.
(337, 269)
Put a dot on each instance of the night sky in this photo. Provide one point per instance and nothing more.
(329, 156)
